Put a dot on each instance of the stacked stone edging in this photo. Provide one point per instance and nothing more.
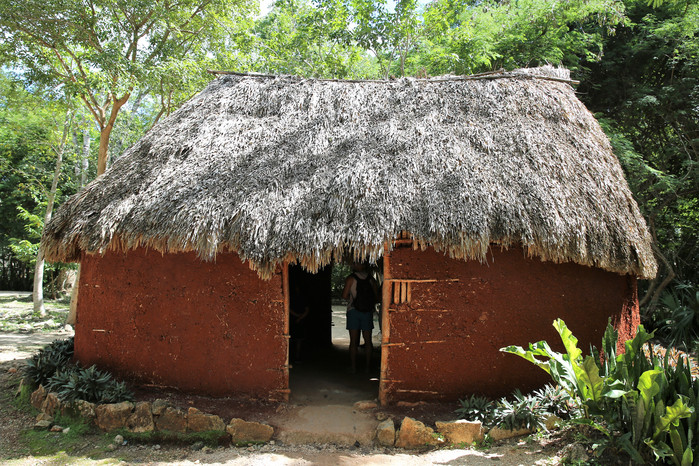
(159, 415)
(144, 416)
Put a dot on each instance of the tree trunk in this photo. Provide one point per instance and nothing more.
(103, 153)
(73, 312)
(85, 157)
(106, 132)
(38, 294)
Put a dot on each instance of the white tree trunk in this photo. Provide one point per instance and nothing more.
(73, 312)
(38, 295)
(87, 140)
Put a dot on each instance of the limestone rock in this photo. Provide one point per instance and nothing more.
(113, 416)
(386, 433)
(242, 431)
(141, 420)
(365, 405)
(38, 397)
(44, 417)
(84, 409)
(159, 407)
(42, 425)
(51, 404)
(200, 422)
(498, 434)
(172, 419)
(414, 435)
(461, 431)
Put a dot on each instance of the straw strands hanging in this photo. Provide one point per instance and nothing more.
(291, 169)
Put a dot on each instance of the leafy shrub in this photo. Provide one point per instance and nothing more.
(556, 401)
(44, 364)
(524, 411)
(643, 405)
(530, 411)
(53, 368)
(680, 325)
(89, 384)
(477, 408)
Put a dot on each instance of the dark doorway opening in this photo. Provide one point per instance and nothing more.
(319, 348)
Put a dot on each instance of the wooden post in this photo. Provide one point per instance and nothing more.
(285, 291)
(385, 324)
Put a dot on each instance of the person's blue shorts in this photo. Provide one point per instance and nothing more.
(358, 320)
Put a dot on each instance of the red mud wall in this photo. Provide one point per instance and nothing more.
(449, 318)
(208, 327)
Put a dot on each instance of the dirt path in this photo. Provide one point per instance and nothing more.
(311, 417)
(19, 346)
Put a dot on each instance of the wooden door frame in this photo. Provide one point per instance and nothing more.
(287, 334)
(385, 324)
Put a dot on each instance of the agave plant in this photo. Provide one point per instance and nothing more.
(476, 408)
(523, 411)
(53, 357)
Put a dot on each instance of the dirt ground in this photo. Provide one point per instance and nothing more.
(320, 410)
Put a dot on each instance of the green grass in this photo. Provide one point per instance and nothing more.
(23, 401)
(17, 314)
(44, 443)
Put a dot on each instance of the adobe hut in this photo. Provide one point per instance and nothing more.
(495, 201)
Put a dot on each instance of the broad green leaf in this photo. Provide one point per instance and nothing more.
(569, 341)
(673, 414)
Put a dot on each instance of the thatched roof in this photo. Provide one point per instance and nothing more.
(286, 168)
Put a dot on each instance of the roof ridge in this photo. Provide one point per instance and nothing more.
(497, 74)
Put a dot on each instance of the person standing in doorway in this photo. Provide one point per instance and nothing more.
(361, 294)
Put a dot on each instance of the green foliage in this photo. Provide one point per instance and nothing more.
(645, 90)
(477, 408)
(18, 315)
(43, 365)
(463, 37)
(297, 38)
(523, 411)
(556, 401)
(42, 443)
(74, 383)
(339, 274)
(520, 411)
(30, 128)
(645, 406)
(679, 309)
(52, 367)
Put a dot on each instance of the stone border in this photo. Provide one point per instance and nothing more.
(159, 415)
(144, 416)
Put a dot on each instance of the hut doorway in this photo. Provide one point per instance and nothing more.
(319, 357)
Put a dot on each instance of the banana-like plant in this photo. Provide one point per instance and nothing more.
(642, 398)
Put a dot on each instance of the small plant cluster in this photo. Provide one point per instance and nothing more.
(47, 361)
(643, 405)
(520, 411)
(53, 368)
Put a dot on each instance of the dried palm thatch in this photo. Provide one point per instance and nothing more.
(289, 169)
